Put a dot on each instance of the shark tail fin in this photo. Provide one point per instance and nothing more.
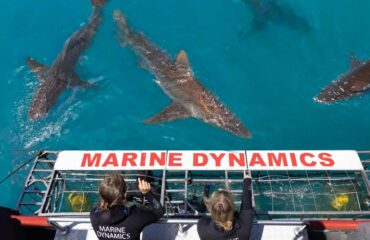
(123, 31)
(39, 69)
(170, 113)
(98, 3)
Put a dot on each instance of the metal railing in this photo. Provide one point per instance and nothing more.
(37, 183)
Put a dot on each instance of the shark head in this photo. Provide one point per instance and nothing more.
(35, 115)
(340, 90)
(217, 114)
(46, 96)
(235, 126)
(38, 109)
(336, 91)
(202, 104)
(40, 104)
(329, 94)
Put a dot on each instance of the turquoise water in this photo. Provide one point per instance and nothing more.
(268, 80)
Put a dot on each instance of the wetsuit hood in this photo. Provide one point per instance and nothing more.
(112, 216)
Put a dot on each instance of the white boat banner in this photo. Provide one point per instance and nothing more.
(208, 160)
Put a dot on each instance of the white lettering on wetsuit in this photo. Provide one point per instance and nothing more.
(112, 232)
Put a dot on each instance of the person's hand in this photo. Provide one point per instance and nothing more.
(144, 186)
(246, 175)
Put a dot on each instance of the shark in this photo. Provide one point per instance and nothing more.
(353, 83)
(61, 75)
(269, 11)
(175, 77)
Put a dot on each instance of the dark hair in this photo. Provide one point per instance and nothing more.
(222, 209)
(112, 191)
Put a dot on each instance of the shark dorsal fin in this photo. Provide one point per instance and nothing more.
(183, 60)
(172, 112)
(354, 62)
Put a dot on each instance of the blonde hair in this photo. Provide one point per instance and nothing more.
(222, 209)
(112, 191)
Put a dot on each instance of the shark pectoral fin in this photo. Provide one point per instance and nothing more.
(38, 68)
(354, 62)
(75, 81)
(172, 112)
(182, 60)
(256, 26)
(360, 87)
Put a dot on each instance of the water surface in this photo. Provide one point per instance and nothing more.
(268, 79)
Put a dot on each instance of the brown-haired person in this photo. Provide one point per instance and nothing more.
(113, 220)
(225, 222)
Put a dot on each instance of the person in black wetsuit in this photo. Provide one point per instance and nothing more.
(225, 222)
(113, 220)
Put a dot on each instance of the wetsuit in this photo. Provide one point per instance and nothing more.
(242, 224)
(121, 222)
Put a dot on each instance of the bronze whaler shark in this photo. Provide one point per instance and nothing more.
(55, 79)
(273, 12)
(190, 98)
(355, 82)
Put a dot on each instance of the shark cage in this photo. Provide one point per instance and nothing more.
(66, 195)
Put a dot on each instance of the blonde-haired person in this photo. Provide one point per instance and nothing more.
(113, 220)
(225, 222)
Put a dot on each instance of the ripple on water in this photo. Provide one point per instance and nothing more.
(29, 134)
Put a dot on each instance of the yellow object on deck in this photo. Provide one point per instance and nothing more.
(79, 202)
(340, 202)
